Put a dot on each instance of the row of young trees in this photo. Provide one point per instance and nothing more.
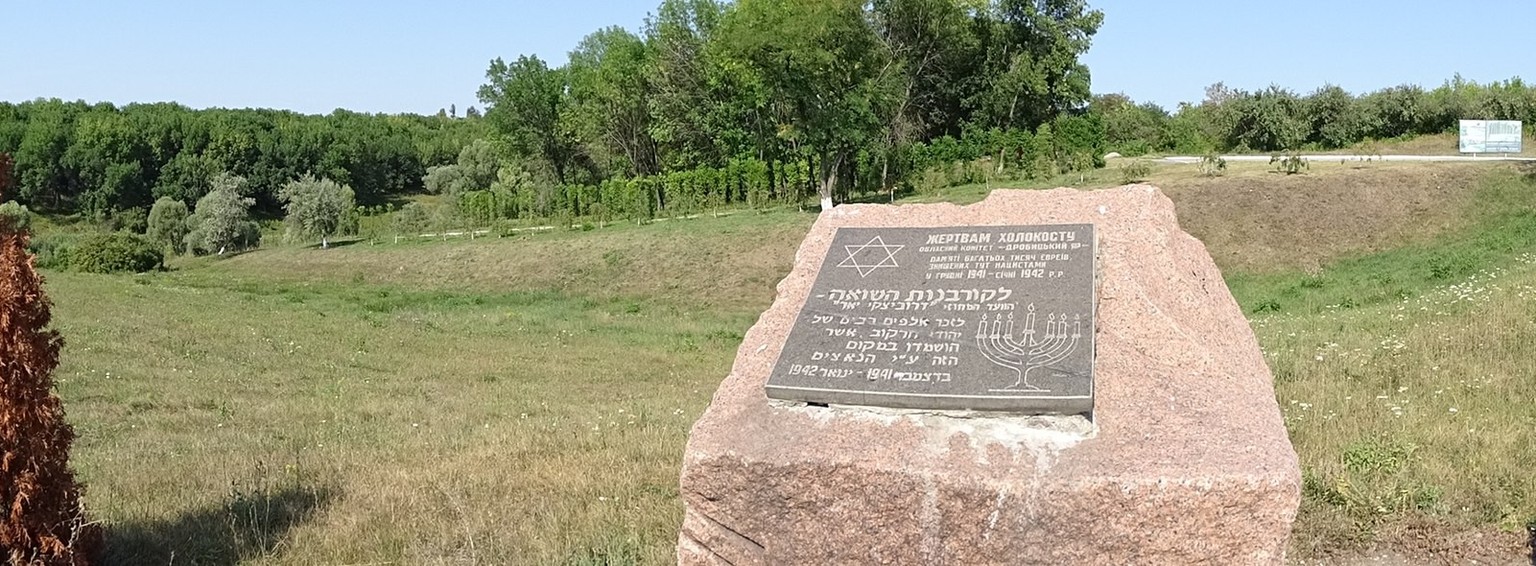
(843, 88)
(101, 159)
(316, 208)
(1276, 119)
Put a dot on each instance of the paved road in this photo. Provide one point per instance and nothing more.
(1327, 157)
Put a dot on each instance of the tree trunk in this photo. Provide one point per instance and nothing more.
(828, 182)
(773, 184)
(885, 170)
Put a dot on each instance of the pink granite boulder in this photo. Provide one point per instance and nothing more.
(1186, 460)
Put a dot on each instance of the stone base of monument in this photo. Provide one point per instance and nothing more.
(1184, 460)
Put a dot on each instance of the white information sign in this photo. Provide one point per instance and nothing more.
(1491, 136)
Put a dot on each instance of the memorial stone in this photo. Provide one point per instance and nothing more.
(818, 450)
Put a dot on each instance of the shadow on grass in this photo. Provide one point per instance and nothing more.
(250, 524)
(1530, 531)
(880, 197)
(1528, 169)
(334, 244)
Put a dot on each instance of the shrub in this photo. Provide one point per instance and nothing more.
(1289, 163)
(317, 207)
(1135, 171)
(21, 218)
(167, 224)
(411, 219)
(51, 251)
(129, 220)
(115, 252)
(1212, 165)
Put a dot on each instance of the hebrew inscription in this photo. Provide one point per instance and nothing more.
(997, 318)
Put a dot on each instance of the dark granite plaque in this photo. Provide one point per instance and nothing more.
(996, 318)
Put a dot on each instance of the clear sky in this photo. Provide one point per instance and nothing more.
(1168, 51)
(390, 56)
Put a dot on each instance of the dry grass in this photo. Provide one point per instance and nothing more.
(224, 418)
(1439, 144)
(1255, 220)
(731, 262)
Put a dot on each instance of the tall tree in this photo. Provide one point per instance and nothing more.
(820, 61)
(40, 165)
(1031, 64)
(316, 207)
(928, 51)
(524, 102)
(609, 110)
(936, 54)
(681, 97)
(221, 221)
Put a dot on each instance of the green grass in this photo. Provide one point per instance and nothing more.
(1504, 227)
(526, 400)
(1405, 378)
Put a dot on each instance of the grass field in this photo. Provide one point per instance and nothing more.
(526, 400)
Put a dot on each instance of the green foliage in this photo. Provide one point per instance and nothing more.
(1132, 129)
(19, 215)
(100, 158)
(476, 169)
(1276, 119)
(1135, 171)
(50, 250)
(221, 220)
(167, 224)
(134, 220)
(526, 99)
(831, 96)
(115, 252)
(820, 59)
(316, 208)
(411, 219)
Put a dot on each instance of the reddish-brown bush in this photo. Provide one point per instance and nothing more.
(41, 522)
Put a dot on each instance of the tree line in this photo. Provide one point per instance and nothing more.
(105, 160)
(751, 102)
(1278, 119)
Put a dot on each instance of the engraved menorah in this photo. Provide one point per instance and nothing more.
(1030, 351)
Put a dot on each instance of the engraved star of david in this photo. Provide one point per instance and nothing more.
(871, 256)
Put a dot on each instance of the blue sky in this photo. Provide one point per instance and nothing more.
(386, 56)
